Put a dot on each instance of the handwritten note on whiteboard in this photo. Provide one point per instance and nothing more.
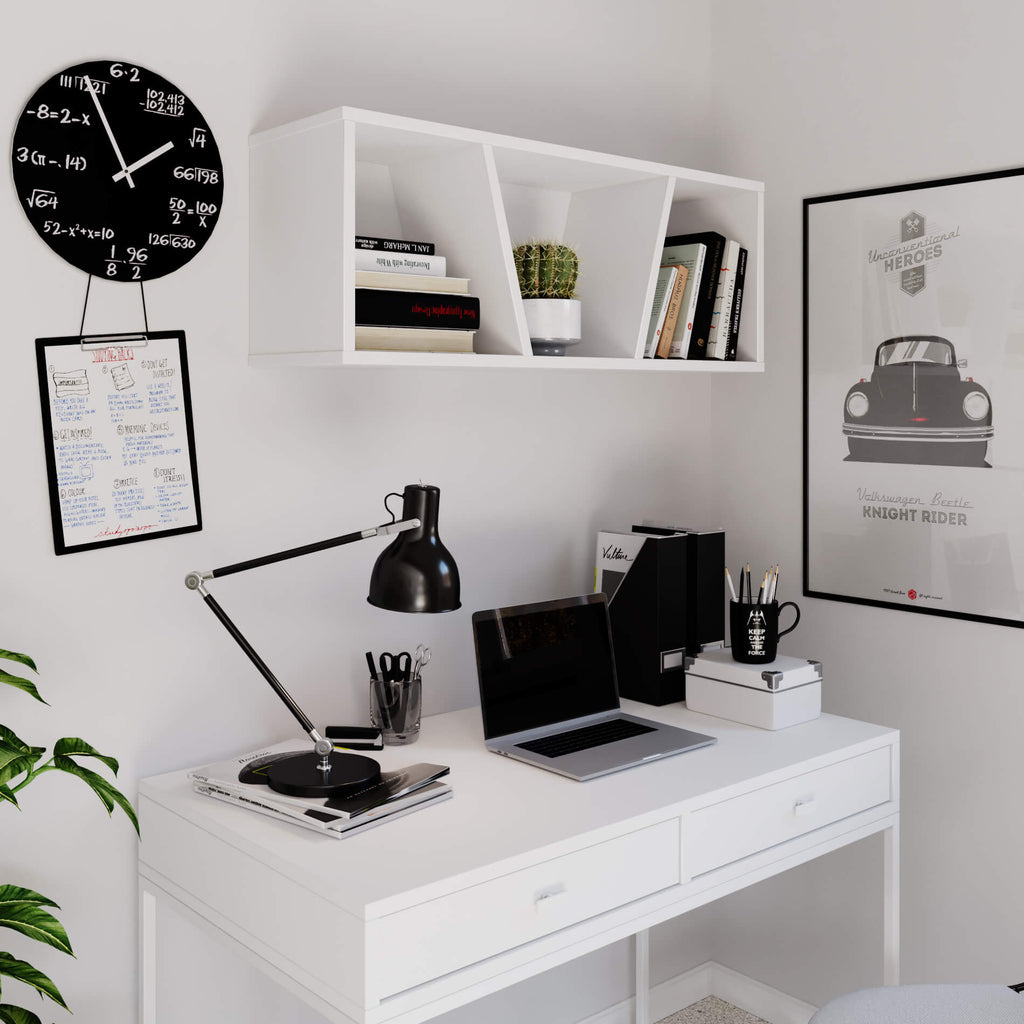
(120, 448)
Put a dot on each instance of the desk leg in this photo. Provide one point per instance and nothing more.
(642, 966)
(147, 955)
(891, 906)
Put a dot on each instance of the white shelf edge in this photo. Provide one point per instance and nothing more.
(477, 361)
(480, 137)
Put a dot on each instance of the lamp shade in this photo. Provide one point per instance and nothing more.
(416, 572)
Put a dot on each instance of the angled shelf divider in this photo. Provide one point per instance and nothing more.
(318, 182)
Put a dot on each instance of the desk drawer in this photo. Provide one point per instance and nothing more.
(423, 942)
(747, 824)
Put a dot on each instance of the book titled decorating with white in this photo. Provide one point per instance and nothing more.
(239, 780)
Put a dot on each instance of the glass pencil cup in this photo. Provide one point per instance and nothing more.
(395, 709)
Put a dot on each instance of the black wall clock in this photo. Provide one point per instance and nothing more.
(117, 171)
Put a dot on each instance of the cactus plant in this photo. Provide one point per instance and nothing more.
(546, 270)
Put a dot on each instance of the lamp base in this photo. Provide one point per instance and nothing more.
(299, 774)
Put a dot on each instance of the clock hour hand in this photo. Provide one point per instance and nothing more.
(106, 125)
(127, 171)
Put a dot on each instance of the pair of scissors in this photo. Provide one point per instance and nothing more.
(395, 668)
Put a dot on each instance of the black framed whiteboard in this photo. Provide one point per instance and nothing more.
(119, 438)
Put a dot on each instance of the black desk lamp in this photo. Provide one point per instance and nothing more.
(414, 573)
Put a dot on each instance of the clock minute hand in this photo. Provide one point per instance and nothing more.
(127, 171)
(110, 134)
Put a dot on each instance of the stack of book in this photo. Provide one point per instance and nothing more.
(406, 303)
(698, 298)
(242, 781)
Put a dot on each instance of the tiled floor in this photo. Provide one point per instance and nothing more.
(712, 1010)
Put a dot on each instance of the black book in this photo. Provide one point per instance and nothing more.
(707, 287)
(394, 245)
(384, 307)
(737, 306)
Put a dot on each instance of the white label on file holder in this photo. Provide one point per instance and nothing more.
(672, 659)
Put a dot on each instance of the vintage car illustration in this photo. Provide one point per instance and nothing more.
(916, 409)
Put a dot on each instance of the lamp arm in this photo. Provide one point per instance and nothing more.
(196, 580)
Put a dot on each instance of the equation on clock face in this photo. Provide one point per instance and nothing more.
(117, 170)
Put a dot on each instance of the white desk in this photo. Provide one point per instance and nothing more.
(522, 870)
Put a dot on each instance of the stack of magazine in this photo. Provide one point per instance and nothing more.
(242, 781)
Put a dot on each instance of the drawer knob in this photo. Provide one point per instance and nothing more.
(805, 805)
(545, 900)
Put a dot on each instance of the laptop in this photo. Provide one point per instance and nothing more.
(549, 694)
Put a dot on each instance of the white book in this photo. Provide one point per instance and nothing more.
(415, 283)
(662, 292)
(400, 262)
(413, 339)
(691, 256)
(721, 315)
(339, 829)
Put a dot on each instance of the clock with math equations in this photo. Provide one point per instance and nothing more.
(117, 170)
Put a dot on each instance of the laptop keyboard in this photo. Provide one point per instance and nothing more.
(583, 739)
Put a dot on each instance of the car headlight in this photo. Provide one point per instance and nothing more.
(857, 404)
(976, 405)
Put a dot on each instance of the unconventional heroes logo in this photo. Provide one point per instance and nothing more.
(916, 249)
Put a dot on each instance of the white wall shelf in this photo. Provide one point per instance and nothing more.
(318, 182)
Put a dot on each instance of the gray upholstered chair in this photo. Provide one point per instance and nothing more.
(926, 1004)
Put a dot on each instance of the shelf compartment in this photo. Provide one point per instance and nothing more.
(611, 216)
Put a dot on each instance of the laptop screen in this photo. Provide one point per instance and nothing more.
(544, 663)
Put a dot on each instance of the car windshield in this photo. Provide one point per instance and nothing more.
(915, 350)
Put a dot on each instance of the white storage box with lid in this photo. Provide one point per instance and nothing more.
(772, 695)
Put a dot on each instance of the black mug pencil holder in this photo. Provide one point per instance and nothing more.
(754, 630)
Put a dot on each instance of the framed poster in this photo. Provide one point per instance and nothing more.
(120, 446)
(914, 396)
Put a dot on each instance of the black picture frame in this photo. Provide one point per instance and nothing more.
(146, 346)
(913, 465)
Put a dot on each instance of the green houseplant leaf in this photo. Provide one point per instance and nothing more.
(17, 1015)
(72, 745)
(21, 684)
(17, 681)
(22, 659)
(108, 794)
(22, 910)
(22, 971)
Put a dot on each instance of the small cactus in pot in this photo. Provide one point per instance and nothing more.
(547, 273)
(546, 270)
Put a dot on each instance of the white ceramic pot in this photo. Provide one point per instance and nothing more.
(552, 324)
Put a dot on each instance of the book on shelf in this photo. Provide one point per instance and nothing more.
(412, 339)
(737, 306)
(379, 307)
(420, 283)
(675, 304)
(706, 287)
(692, 257)
(400, 263)
(242, 779)
(659, 308)
(721, 316)
(394, 245)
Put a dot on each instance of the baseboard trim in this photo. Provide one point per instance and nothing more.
(711, 979)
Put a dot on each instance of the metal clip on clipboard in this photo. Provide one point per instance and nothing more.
(94, 341)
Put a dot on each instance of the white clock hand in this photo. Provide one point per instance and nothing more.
(106, 125)
(143, 161)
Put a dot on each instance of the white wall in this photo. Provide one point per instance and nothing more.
(824, 98)
(529, 465)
